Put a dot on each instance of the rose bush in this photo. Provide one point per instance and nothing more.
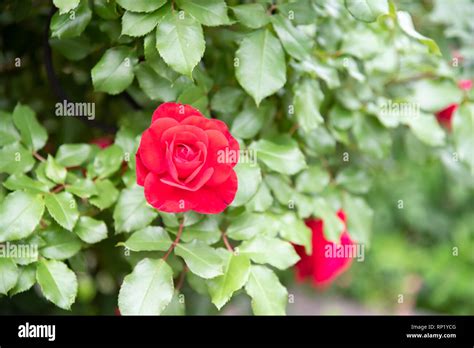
(314, 105)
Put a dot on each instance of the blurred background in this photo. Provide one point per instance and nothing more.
(423, 251)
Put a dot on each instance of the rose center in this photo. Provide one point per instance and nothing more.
(184, 153)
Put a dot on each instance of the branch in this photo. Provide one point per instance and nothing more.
(176, 241)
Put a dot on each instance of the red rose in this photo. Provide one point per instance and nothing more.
(185, 161)
(465, 85)
(445, 116)
(102, 142)
(319, 266)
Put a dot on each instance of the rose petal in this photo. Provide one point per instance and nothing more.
(174, 110)
(214, 199)
(151, 147)
(207, 200)
(141, 170)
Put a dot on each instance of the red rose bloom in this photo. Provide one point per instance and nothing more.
(445, 116)
(465, 85)
(185, 161)
(102, 142)
(321, 268)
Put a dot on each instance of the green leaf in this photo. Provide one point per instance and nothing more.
(274, 251)
(26, 279)
(72, 155)
(155, 86)
(227, 100)
(41, 176)
(106, 9)
(72, 23)
(9, 275)
(106, 196)
(281, 155)
(301, 11)
(406, 24)
(250, 177)
(151, 238)
(426, 128)
(55, 171)
(261, 67)
(371, 136)
(24, 182)
(76, 48)
(294, 230)
(20, 213)
(251, 15)
(141, 5)
(248, 225)
(307, 100)
(269, 297)
(432, 95)
(33, 134)
(180, 42)
(107, 162)
(321, 70)
(207, 230)
(113, 73)
(132, 211)
(65, 5)
(58, 283)
(140, 24)
(83, 188)
(312, 180)
(250, 120)
(8, 132)
(236, 273)
(90, 230)
(463, 130)
(333, 226)
(262, 200)
(201, 259)
(153, 58)
(366, 10)
(196, 97)
(60, 244)
(359, 218)
(14, 158)
(147, 290)
(207, 12)
(294, 41)
(176, 306)
(354, 180)
(63, 209)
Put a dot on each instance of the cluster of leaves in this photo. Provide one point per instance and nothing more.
(301, 84)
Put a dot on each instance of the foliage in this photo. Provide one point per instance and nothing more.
(311, 89)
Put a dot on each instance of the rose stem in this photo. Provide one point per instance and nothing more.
(176, 241)
(226, 242)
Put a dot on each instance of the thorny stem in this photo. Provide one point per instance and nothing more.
(176, 241)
